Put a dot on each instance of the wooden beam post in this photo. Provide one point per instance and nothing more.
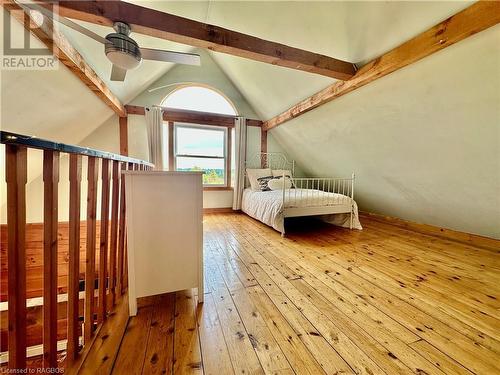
(171, 151)
(197, 34)
(478, 17)
(50, 221)
(123, 135)
(263, 146)
(68, 55)
(16, 166)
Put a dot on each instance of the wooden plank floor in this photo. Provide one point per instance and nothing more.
(384, 300)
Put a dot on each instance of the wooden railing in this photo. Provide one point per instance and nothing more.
(110, 274)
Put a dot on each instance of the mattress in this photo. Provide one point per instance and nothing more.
(267, 206)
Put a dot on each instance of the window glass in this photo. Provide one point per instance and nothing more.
(213, 168)
(202, 149)
(196, 98)
(196, 141)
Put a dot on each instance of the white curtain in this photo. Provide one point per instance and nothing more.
(240, 142)
(154, 123)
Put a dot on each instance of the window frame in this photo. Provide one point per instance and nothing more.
(226, 152)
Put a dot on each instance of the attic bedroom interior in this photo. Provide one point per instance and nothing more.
(250, 187)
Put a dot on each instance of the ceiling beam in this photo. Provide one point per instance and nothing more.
(68, 55)
(193, 117)
(198, 34)
(470, 21)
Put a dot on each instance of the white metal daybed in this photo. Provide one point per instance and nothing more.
(328, 197)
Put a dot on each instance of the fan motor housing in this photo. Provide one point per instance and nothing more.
(122, 50)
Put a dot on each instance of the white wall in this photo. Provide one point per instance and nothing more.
(208, 74)
(423, 141)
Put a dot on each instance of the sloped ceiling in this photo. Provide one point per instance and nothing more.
(57, 105)
(353, 31)
(139, 79)
(425, 158)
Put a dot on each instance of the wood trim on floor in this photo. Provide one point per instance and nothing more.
(217, 188)
(478, 17)
(449, 234)
(218, 210)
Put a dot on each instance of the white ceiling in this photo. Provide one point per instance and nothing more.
(355, 31)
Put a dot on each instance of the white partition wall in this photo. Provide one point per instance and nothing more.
(165, 230)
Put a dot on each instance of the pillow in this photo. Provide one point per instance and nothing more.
(277, 184)
(254, 174)
(263, 181)
(280, 172)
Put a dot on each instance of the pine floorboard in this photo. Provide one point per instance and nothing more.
(324, 300)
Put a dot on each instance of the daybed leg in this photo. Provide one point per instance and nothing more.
(283, 234)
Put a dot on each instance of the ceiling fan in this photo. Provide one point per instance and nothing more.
(123, 51)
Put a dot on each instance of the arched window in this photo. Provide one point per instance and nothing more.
(199, 146)
(199, 98)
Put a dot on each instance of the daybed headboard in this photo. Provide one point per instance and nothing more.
(273, 160)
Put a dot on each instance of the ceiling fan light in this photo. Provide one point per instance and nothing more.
(123, 59)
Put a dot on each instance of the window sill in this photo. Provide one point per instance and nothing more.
(217, 188)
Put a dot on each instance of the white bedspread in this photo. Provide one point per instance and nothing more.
(267, 207)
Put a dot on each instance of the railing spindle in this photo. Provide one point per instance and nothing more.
(115, 200)
(75, 178)
(50, 220)
(103, 248)
(16, 178)
(121, 234)
(92, 176)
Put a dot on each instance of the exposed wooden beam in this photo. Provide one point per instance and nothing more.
(263, 146)
(470, 21)
(198, 34)
(171, 156)
(123, 136)
(68, 55)
(194, 117)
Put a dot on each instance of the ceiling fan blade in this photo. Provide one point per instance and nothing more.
(170, 56)
(117, 73)
(64, 21)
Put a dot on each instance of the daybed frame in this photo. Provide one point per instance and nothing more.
(318, 200)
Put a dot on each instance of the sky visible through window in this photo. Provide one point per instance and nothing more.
(202, 99)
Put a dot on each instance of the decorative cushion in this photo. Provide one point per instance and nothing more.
(280, 172)
(263, 182)
(277, 183)
(254, 174)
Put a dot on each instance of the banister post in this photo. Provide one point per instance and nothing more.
(115, 200)
(103, 248)
(50, 221)
(92, 175)
(75, 178)
(16, 178)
